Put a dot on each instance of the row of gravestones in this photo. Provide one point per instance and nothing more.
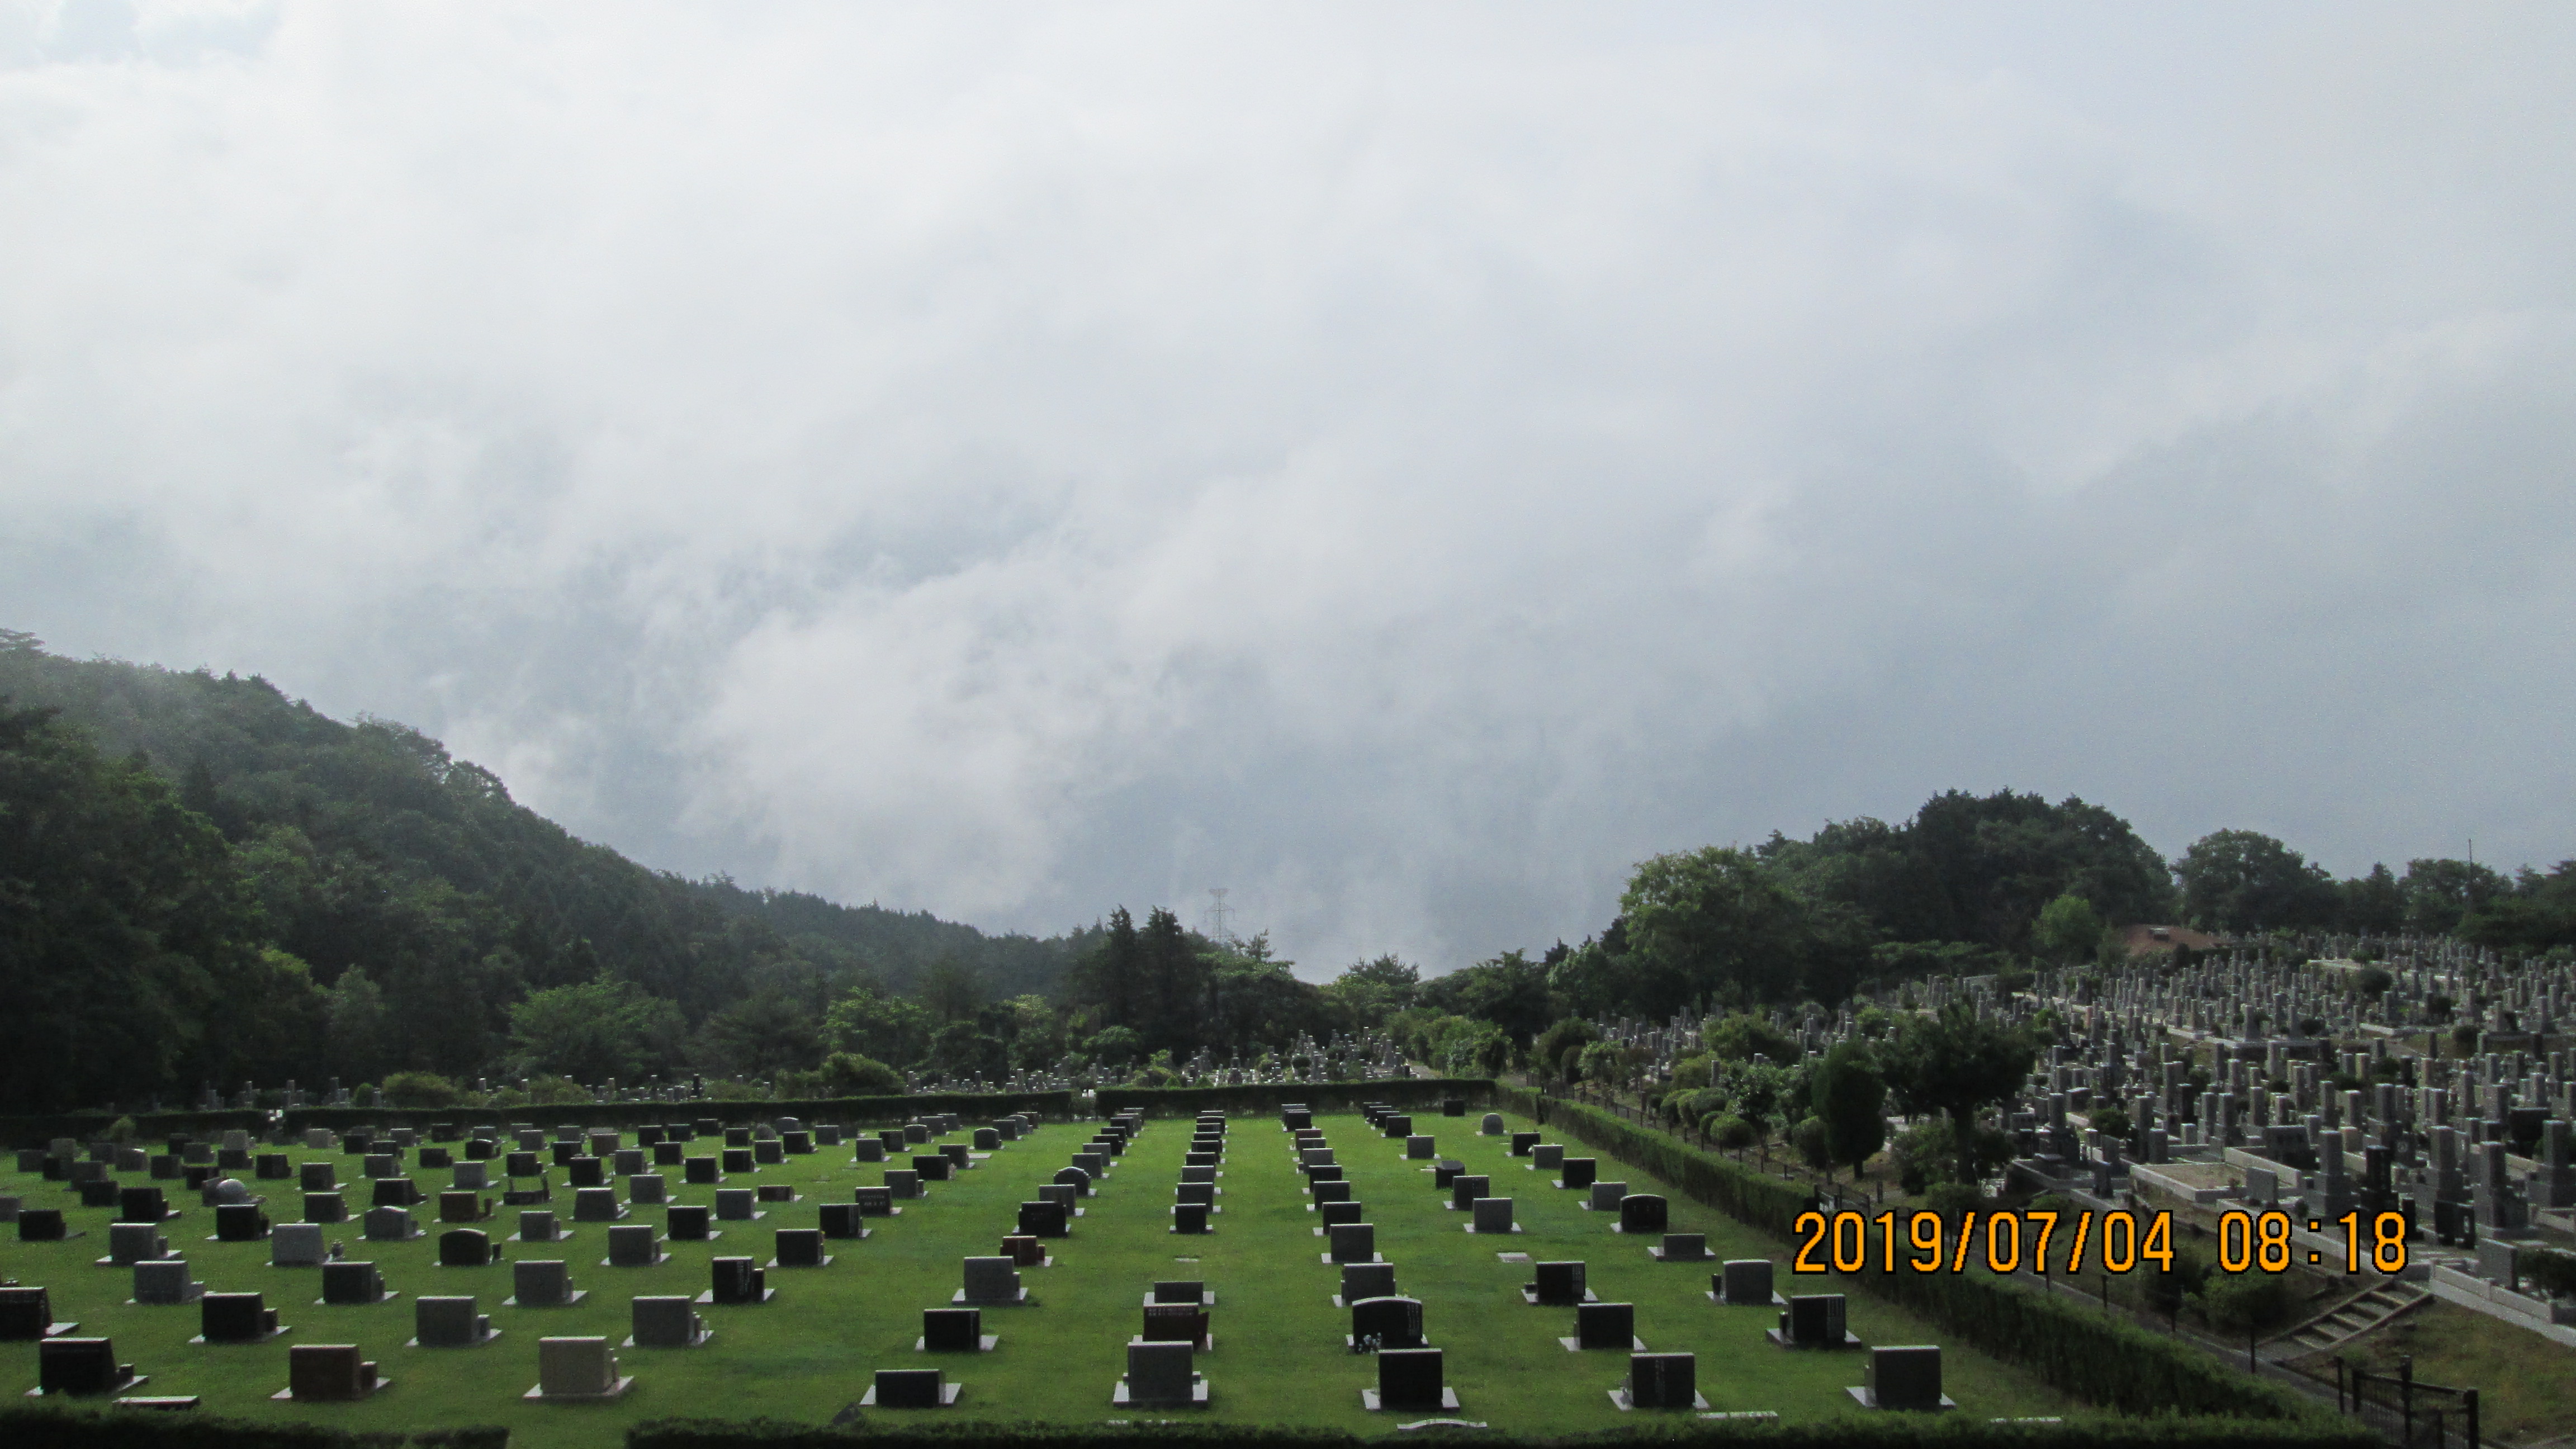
(569, 1368)
(1160, 1367)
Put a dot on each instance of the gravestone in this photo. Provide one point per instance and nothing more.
(466, 1248)
(236, 1318)
(633, 1245)
(165, 1283)
(1682, 1248)
(738, 1205)
(1492, 1126)
(991, 1280)
(1814, 1320)
(389, 1225)
(1904, 1377)
(801, 1248)
(1492, 1215)
(132, 1243)
(577, 1368)
(1409, 1379)
(1352, 1243)
(909, 1389)
(666, 1321)
(295, 1245)
(449, 1322)
(1744, 1282)
(1365, 1280)
(1641, 1212)
(542, 1283)
(1159, 1375)
(1604, 1325)
(1465, 1188)
(352, 1284)
(1559, 1285)
(1389, 1322)
(954, 1330)
(737, 1282)
(76, 1367)
(27, 1315)
(1045, 1219)
(1605, 1196)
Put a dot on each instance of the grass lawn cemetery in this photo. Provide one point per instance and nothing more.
(1347, 1271)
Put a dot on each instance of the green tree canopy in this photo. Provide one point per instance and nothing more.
(1850, 1099)
(2241, 880)
(2069, 929)
(131, 951)
(1955, 1065)
(593, 1031)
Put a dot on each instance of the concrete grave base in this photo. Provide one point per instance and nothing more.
(1198, 1399)
(488, 1336)
(1619, 1398)
(1369, 1401)
(136, 1382)
(1850, 1340)
(618, 1391)
(1868, 1400)
(287, 1396)
(947, 1396)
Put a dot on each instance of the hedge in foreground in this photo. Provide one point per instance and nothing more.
(53, 1428)
(1887, 1431)
(2099, 1359)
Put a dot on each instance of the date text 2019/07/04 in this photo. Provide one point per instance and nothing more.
(2119, 1241)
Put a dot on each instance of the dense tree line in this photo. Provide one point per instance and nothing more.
(265, 892)
(203, 880)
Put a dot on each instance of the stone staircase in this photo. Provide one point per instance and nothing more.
(2355, 1317)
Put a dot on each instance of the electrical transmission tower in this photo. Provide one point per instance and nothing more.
(1217, 917)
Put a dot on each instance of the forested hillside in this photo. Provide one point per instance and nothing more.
(202, 879)
(393, 903)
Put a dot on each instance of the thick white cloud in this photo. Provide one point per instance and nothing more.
(1405, 464)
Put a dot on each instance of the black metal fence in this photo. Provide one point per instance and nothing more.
(2433, 1415)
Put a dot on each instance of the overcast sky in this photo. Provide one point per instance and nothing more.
(1404, 464)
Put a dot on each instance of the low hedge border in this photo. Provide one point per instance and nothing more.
(1265, 1098)
(39, 1129)
(54, 1428)
(2101, 1360)
(977, 1108)
(1887, 1431)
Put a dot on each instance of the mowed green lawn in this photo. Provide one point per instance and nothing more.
(1278, 1356)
